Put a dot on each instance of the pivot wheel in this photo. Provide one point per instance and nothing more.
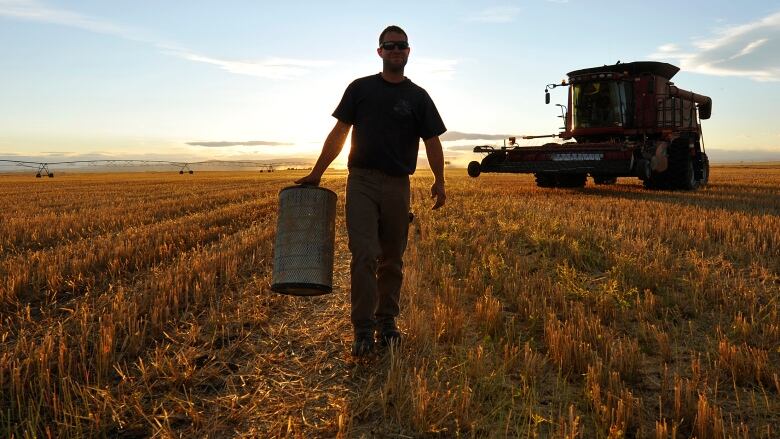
(473, 169)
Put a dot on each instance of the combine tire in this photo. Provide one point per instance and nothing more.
(681, 173)
(603, 179)
(705, 170)
(650, 183)
(545, 180)
(473, 169)
(657, 181)
(572, 180)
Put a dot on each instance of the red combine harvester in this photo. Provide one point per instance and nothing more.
(622, 120)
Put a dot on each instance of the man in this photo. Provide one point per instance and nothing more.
(388, 115)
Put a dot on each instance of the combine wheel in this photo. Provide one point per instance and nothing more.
(603, 179)
(572, 180)
(681, 173)
(473, 169)
(657, 181)
(545, 180)
(705, 170)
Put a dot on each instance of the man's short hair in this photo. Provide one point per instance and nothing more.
(394, 29)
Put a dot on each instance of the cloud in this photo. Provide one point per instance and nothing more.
(431, 69)
(751, 47)
(31, 10)
(457, 135)
(496, 14)
(248, 143)
(747, 50)
(269, 68)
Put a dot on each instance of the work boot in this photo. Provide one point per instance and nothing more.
(388, 333)
(363, 344)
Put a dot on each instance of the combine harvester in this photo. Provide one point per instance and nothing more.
(622, 120)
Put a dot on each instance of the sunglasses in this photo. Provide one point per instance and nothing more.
(390, 45)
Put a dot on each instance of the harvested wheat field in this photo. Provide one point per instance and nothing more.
(138, 305)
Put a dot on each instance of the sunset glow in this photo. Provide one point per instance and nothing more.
(260, 80)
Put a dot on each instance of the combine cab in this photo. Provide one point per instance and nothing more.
(622, 120)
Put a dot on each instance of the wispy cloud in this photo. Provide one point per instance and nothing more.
(496, 14)
(748, 50)
(269, 68)
(35, 11)
(248, 143)
(430, 69)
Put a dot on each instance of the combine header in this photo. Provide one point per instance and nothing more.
(622, 120)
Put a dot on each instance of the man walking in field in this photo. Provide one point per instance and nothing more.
(390, 114)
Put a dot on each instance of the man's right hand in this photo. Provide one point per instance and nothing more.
(312, 179)
(437, 192)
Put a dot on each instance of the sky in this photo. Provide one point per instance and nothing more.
(193, 80)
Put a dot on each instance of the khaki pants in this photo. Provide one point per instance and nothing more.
(377, 224)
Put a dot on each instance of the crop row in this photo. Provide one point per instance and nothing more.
(102, 213)
(603, 312)
(55, 372)
(613, 289)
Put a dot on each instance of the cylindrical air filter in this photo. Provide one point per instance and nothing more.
(304, 246)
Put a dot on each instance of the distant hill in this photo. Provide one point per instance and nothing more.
(733, 156)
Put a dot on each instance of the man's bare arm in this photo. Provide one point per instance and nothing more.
(332, 147)
(436, 159)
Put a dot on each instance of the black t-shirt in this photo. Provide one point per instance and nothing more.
(388, 121)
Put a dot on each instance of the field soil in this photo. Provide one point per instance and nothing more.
(138, 304)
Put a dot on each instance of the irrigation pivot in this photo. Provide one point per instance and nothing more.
(42, 169)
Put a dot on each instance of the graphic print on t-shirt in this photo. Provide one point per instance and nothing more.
(402, 107)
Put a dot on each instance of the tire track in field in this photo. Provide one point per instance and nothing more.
(304, 379)
(303, 362)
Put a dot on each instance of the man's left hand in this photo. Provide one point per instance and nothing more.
(437, 192)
